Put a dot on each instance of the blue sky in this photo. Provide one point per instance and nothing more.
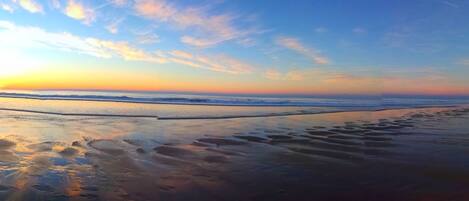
(235, 46)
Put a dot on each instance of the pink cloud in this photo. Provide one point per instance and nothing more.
(209, 29)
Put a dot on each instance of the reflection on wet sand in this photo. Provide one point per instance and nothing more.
(412, 154)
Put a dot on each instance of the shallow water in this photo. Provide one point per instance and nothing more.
(407, 154)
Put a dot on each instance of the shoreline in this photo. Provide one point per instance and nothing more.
(218, 117)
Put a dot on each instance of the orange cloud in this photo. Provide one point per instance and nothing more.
(30, 5)
(78, 11)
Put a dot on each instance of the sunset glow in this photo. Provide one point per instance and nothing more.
(226, 47)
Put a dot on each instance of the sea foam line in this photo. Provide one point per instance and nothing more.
(248, 102)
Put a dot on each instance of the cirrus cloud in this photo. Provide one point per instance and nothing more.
(218, 63)
(295, 45)
(7, 8)
(12, 35)
(209, 30)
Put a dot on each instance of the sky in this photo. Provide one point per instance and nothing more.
(250, 47)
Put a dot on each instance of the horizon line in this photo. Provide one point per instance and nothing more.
(267, 94)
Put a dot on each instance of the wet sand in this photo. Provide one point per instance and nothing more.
(407, 154)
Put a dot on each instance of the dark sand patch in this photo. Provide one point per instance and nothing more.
(89, 188)
(174, 152)
(172, 161)
(6, 144)
(320, 133)
(379, 144)
(44, 188)
(347, 131)
(279, 137)
(289, 141)
(326, 153)
(273, 131)
(338, 147)
(251, 138)
(140, 150)
(107, 146)
(216, 159)
(166, 187)
(5, 188)
(377, 152)
(342, 142)
(323, 146)
(377, 138)
(134, 142)
(220, 141)
(319, 127)
(225, 152)
(342, 137)
(76, 144)
(314, 137)
(377, 133)
(200, 144)
(68, 152)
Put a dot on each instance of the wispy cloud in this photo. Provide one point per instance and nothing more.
(146, 36)
(421, 36)
(149, 38)
(320, 30)
(219, 63)
(31, 37)
(78, 11)
(325, 81)
(30, 5)
(7, 8)
(181, 54)
(295, 45)
(125, 51)
(464, 62)
(211, 29)
(247, 42)
(158, 10)
(359, 30)
(113, 27)
(451, 4)
(119, 3)
(55, 4)
(423, 79)
(274, 74)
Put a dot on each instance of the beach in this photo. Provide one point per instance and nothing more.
(391, 154)
(214, 100)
